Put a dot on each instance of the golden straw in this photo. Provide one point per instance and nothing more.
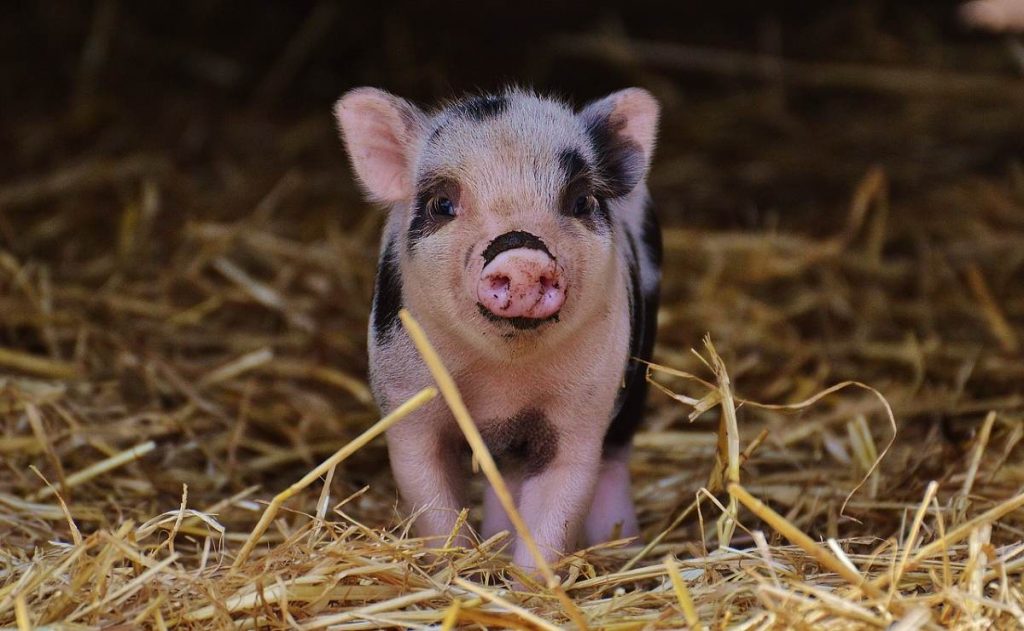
(98, 468)
(797, 537)
(414, 403)
(451, 616)
(21, 613)
(494, 598)
(35, 365)
(915, 528)
(682, 594)
(957, 534)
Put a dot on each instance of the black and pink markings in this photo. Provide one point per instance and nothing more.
(521, 236)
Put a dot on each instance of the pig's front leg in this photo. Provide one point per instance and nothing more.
(555, 500)
(495, 518)
(427, 468)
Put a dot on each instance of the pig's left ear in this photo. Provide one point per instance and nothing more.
(380, 132)
(622, 127)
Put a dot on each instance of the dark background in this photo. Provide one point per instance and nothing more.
(216, 82)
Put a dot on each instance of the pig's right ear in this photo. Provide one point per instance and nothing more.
(380, 132)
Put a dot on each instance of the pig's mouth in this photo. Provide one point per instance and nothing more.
(519, 323)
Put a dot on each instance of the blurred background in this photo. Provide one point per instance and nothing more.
(771, 112)
(184, 257)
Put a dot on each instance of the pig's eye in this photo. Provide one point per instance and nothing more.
(585, 204)
(442, 207)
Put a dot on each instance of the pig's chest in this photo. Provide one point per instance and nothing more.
(526, 415)
(525, 442)
(514, 412)
(504, 397)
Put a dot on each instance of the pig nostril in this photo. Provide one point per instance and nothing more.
(500, 282)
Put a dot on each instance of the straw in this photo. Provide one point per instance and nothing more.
(415, 402)
(682, 594)
(794, 535)
(97, 469)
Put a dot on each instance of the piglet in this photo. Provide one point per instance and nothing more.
(521, 236)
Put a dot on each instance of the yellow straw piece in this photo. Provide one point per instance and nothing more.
(451, 616)
(21, 613)
(35, 365)
(682, 594)
(494, 598)
(797, 537)
(417, 401)
(98, 468)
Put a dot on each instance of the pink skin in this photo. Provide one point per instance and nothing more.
(571, 371)
(555, 524)
(495, 518)
(994, 15)
(522, 283)
(612, 512)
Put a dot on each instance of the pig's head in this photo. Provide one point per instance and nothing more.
(503, 208)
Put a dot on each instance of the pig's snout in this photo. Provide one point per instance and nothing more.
(521, 283)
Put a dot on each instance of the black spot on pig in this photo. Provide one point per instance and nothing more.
(475, 108)
(601, 219)
(525, 443)
(579, 182)
(573, 164)
(511, 241)
(651, 235)
(421, 224)
(620, 160)
(387, 295)
(481, 108)
(643, 327)
(425, 221)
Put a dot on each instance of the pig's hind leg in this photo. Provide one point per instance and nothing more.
(612, 513)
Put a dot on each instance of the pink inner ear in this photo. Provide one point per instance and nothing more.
(639, 110)
(378, 130)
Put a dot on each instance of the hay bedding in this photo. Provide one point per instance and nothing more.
(150, 408)
(177, 349)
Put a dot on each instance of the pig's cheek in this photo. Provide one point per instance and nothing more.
(567, 284)
(467, 288)
(469, 281)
